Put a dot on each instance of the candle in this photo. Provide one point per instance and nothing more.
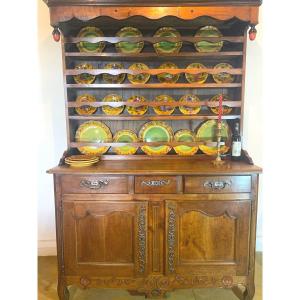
(220, 108)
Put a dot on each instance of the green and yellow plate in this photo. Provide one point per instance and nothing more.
(109, 110)
(167, 77)
(156, 131)
(164, 109)
(87, 47)
(93, 132)
(129, 47)
(84, 78)
(137, 110)
(188, 110)
(225, 109)
(114, 79)
(207, 133)
(223, 77)
(139, 78)
(185, 135)
(125, 136)
(196, 78)
(208, 46)
(165, 47)
(86, 109)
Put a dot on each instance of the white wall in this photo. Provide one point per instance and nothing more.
(52, 137)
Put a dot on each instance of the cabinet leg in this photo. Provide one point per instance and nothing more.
(62, 291)
(247, 293)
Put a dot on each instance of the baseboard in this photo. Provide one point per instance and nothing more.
(47, 248)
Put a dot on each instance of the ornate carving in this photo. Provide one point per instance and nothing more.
(155, 182)
(94, 184)
(84, 282)
(171, 237)
(227, 281)
(142, 239)
(217, 185)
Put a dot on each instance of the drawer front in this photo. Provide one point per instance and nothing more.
(156, 184)
(95, 184)
(217, 184)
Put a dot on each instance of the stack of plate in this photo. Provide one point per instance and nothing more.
(81, 160)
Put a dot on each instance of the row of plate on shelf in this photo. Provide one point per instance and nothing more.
(162, 47)
(154, 131)
(142, 78)
(86, 110)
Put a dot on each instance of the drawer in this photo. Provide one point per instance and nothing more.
(157, 184)
(217, 184)
(95, 184)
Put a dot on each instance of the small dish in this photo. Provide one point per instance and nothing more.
(125, 136)
(185, 135)
(167, 77)
(225, 109)
(165, 47)
(164, 109)
(223, 77)
(114, 79)
(87, 47)
(208, 46)
(84, 78)
(129, 47)
(85, 110)
(109, 110)
(139, 78)
(188, 110)
(137, 110)
(196, 78)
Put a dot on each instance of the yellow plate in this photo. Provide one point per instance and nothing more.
(185, 135)
(223, 77)
(208, 46)
(225, 109)
(86, 109)
(114, 79)
(138, 110)
(196, 78)
(129, 47)
(139, 78)
(165, 47)
(167, 77)
(80, 157)
(109, 110)
(164, 110)
(83, 160)
(81, 165)
(84, 78)
(187, 110)
(125, 136)
(90, 31)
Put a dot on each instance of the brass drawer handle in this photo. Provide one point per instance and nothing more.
(217, 185)
(155, 182)
(94, 184)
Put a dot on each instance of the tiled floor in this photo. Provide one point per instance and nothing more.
(48, 275)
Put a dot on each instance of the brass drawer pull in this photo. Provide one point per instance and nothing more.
(217, 185)
(94, 184)
(156, 182)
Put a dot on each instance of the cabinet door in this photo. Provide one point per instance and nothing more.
(207, 237)
(105, 238)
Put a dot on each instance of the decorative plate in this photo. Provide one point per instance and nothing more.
(164, 110)
(207, 133)
(138, 110)
(93, 132)
(109, 110)
(125, 136)
(85, 110)
(225, 109)
(223, 77)
(156, 131)
(139, 78)
(90, 47)
(84, 78)
(208, 46)
(111, 79)
(165, 47)
(81, 160)
(128, 47)
(188, 110)
(196, 78)
(167, 77)
(185, 135)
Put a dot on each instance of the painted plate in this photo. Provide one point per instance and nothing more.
(223, 77)
(165, 47)
(138, 110)
(185, 135)
(225, 110)
(93, 132)
(125, 136)
(208, 46)
(164, 110)
(84, 78)
(156, 131)
(196, 78)
(128, 47)
(109, 110)
(207, 133)
(82, 158)
(139, 78)
(85, 110)
(90, 47)
(187, 110)
(167, 77)
(111, 79)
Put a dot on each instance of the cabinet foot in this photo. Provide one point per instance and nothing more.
(63, 292)
(244, 292)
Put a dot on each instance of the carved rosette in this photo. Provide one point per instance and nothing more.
(171, 238)
(142, 239)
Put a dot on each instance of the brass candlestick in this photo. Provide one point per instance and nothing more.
(218, 161)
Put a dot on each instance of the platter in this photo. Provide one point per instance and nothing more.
(138, 110)
(208, 46)
(90, 32)
(196, 78)
(225, 109)
(156, 131)
(93, 132)
(129, 47)
(167, 77)
(223, 77)
(164, 109)
(85, 110)
(186, 110)
(84, 78)
(185, 135)
(109, 110)
(165, 47)
(114, 79)
(139, 78)
(125, 136)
